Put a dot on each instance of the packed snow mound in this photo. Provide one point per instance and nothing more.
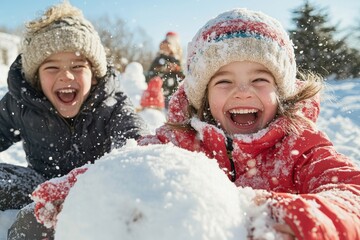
(154, 118)
(153, 192)
(133, 82)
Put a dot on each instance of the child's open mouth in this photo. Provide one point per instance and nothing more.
(244, 117)
(66, 95)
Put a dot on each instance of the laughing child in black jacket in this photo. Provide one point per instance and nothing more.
(63, 103)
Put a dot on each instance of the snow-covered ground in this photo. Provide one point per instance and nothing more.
(340, 116)
(140, 192)
(9, 45)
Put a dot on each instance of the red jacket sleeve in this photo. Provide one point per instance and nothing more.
(328, 203)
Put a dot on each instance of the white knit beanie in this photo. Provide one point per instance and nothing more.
(63, 28)
(239, 35)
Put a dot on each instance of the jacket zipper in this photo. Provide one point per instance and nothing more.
(71, 126)
(229, 149)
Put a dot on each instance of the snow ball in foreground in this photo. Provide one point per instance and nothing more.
(153, 192)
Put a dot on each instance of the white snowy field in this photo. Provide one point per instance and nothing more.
(148, 182)
(340, 116)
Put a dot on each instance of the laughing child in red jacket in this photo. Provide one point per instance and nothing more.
(247, 110)
(242, 105)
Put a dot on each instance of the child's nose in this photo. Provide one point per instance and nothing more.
(243, 89)
(66, 75)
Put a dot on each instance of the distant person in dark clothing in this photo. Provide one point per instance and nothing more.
(168, 65)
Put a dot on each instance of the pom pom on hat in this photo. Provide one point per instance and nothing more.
(153, 96)
(62, 29)
(171, 34)
(239, 35)
(172, 38)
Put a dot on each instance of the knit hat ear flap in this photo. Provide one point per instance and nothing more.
(61, 29)
(239, 35)
(153, 96)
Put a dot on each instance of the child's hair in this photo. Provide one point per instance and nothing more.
(295, 108)
(62, 28)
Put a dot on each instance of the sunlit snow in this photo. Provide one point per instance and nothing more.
(140, 192)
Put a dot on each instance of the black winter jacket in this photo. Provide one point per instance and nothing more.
(160, 67)
(53, 146)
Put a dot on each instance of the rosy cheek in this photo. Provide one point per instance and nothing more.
(215, 109)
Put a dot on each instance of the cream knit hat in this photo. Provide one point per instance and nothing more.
(239, 35)
(62, 28)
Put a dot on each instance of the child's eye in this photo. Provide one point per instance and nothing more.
(261, 80)
(51, 68)
(222, 81)
(79, 66)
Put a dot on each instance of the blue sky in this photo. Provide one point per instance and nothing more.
(157, 17)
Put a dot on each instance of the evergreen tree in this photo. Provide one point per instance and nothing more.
(356, 30)
(316, 47)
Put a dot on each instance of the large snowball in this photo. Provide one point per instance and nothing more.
(152, 192)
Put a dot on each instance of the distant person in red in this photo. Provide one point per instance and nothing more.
(153, 96)
(167, 65)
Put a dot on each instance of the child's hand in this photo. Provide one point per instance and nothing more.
(47, 213)
(50, 195)
(261, 197)
(284, 231)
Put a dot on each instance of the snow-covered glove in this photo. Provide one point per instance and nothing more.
(50, 195)
(308, 215)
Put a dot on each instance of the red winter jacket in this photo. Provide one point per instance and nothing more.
(314, 189)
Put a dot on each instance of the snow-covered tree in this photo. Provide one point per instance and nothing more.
(318, 47)
(125, 45)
